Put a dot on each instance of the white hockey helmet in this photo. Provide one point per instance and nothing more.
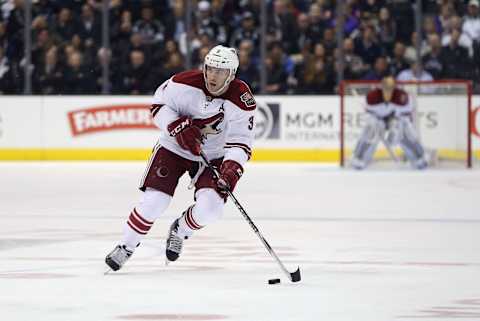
(225, 58)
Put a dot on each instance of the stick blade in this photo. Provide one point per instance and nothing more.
(295, 276)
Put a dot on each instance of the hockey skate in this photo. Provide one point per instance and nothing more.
(117, 258)
(173, 249)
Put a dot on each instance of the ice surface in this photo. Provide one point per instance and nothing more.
(372, 246)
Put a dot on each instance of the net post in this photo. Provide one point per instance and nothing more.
(342, 93)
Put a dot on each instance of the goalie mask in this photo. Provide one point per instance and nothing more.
(388, 86)
(219, 69)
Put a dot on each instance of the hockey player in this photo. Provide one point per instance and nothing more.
(209, 111)
(389, 120)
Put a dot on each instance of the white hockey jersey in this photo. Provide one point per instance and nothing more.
(398, 105)
(226, 121)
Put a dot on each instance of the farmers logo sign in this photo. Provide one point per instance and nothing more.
(86, 121)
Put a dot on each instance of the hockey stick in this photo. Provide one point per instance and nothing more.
(292, 276)
(389, 150)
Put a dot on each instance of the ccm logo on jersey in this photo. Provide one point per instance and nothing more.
(110, 118)
(247, 99)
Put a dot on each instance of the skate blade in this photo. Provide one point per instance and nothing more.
(107, 271)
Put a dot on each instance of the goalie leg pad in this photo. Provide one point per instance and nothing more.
(410, 144)
(366, 145)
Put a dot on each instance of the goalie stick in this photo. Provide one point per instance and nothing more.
(292, 276)
(389, 150)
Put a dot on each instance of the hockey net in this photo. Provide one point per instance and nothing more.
(442, 111)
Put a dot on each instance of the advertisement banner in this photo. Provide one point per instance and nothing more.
(299, 128)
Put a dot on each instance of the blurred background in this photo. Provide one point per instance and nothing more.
(121, 47)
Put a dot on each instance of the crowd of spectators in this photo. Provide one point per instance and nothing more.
(148, 43)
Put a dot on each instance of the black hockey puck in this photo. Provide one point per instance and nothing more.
(273, 281)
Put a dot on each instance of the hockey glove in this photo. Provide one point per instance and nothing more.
(188, 136)
(230, 173)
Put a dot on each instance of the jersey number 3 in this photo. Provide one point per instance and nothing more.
(250, 123)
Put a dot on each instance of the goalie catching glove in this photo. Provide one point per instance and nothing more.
(230, 172)
(188, 135)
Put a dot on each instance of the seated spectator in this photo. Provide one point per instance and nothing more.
(302, 34)
(77, 78)
(122, 30)
(137, 76)
(380, 69)
(387, 30)
(430, 27)
(90, 27)
(354, 66)
(414, 73)
(317, 22)
(65, 26)
(329, 41)
(151, 30)
(247, 71)
(366, 45)
(431, 61)
(404, 19)
(136, 43)
(411, 49)
(47, 77)
(282, 60)
(6, 77)
(398, 61)
(315, 76)
(446, 12)
(471, 23)
(455, 59)
(276, 78)
(455, 23)
(203, 41)
(42, 43)
(172, 66)
(207, 23)
(373, 6)
(246, 31)
(104, 57)
(282, 21)
(179, 27)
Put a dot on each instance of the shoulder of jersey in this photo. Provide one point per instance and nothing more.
(399, 97)
(375, 96)
(193, 78)
(240, 95)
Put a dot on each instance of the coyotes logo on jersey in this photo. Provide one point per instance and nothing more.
(210, 125)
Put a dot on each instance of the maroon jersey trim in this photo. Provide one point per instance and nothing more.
(399, 97)
(155, 109)
(238, 92)
(243, 147)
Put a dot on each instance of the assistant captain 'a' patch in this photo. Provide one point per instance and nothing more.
(247, 99)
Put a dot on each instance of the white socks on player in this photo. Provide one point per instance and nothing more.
(208, 208)
(142, 217)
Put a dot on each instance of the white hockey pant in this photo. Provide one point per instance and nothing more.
(368, 141)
